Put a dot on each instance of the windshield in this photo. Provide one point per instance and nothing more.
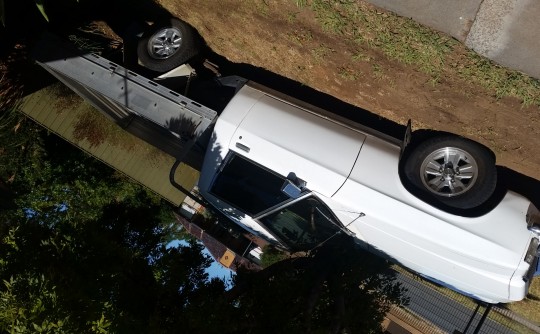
(248, 187)
(303, 224)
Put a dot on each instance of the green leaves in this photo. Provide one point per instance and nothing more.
(39, 4)
(22, 315)
(2, 13)
(83, 249)
(101, 326)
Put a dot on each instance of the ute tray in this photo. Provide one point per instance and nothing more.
(123, 94)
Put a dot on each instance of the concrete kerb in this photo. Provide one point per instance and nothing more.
(504, 31)
(454, 18)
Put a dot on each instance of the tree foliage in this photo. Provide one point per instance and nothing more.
(337, 288)
(84, 250)
(39, 5)
(2, 12)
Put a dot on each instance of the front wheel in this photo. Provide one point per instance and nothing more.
(456, 171)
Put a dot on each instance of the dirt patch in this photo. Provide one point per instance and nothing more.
(288, 40)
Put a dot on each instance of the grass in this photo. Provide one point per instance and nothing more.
(431, 52)
(299, 37)
(378, 71)
(321, 52)
(347, 73)
(529, 308)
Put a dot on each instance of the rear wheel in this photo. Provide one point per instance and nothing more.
(167, 45)
(456, 171)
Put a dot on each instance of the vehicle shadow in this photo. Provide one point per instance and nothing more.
(128, 20)
(508, 179)
(308, 94)
(520, 183)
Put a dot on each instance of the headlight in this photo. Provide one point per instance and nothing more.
(532, 259)
(532, 252)
(533, 219)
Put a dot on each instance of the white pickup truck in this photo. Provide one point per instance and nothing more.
(297, 175)
(292, 174)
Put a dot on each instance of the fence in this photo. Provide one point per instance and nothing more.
(435, 310)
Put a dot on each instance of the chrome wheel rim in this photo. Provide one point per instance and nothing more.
(165, 43)
(449, 172)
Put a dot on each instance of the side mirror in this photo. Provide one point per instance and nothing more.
(290, 189)
(293, 186)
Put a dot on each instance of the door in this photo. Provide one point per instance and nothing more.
(302, 224)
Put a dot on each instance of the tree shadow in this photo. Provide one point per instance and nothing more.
(335, 288)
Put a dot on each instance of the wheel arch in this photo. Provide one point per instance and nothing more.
(417, 138)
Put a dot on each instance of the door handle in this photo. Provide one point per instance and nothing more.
(243, 147)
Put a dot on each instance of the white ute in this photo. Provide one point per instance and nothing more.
(297, 175)
(294, 175)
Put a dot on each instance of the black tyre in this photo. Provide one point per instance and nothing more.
(456, 171)
(167, 45)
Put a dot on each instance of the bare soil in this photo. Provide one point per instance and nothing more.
(278, 36)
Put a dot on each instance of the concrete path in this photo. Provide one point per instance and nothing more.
(506, 31)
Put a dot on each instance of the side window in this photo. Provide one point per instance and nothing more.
(302, 225)
(248, 187)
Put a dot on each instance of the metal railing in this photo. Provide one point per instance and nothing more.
(434, 310)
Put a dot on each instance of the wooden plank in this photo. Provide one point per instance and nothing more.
(37, 109)
(142, 162)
